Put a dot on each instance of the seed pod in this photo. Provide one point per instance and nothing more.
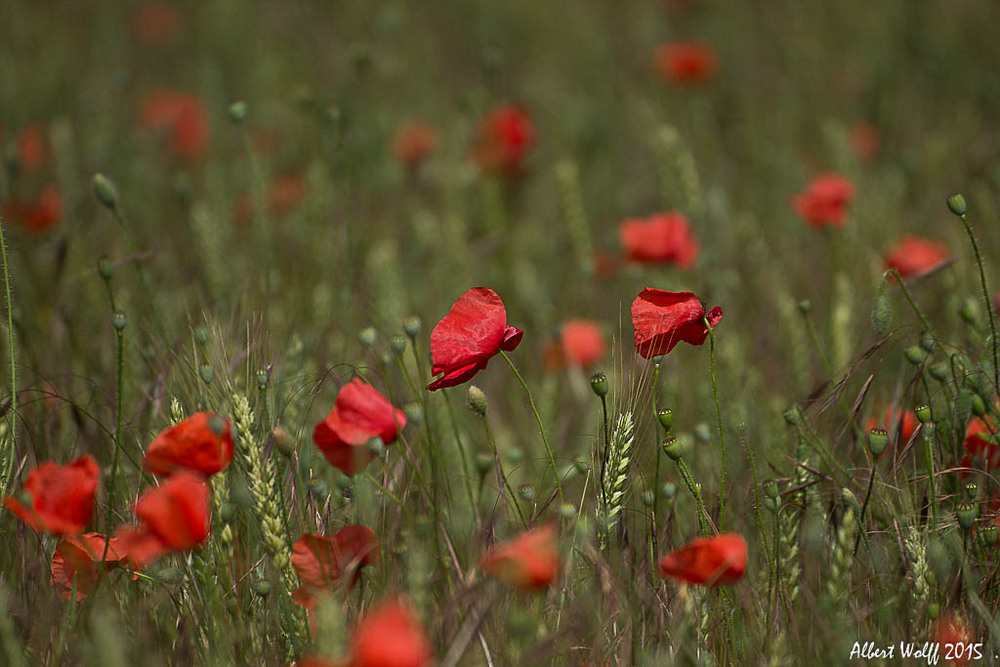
(599, 384)
(238, 111)
(476, 400)
(878, 438)
(956, 204)
(105, 191)
(666, 417)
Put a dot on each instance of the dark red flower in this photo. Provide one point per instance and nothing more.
(686, 62)
(664, 237)
(182, 116)
(529, 562)
(413, 142)
(58, 499)
(390, 636)
(714, 561)
(37, 216)
(78, 557)
(825, 201)
(155, 23)
(360, 414)
(662, 319)
(33, 151)
(323, 561)
(465, 340)
(915, 256)
(505, 137)
(865, 139)
(203, 442)
(582, 342)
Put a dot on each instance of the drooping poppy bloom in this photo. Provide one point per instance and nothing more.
(529, 562)
(662, 319)
(473, 331)
(390, 636)
(155, 23)
(360, 414)
(713, 561)
(905, 421)
(323, 561)
(77, 558)
(951, 629)
(865, 139)
(182, 117)
(505, 137)
(33, 151)
(824, 202)
(203, 442)
(664, 237)
(581, 342)
(39, 215)
(413, 142)
(686, 63)
(58, 499)
(916, 256)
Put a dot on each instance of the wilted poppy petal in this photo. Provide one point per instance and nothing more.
(76, 557)
(203, 442)
(321, 561)
(530, 561)
(714, 561)
(58, 499)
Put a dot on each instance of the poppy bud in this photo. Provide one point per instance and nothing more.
(368, 337)
(207, 373)
(923, 413)
(105, 268)
(927, 342)
(966, 515)
(970, 490)
(238, 111)
(119, 320)
(263, 377)
(988, 534)
(526, 492)
(703, 433)
(484, 463)
(476, 400)
(771, 488)
(412, 326)
(668, 490)
(282, 441)
(599, 383)
(515, 455)
(262, 589)
(201, 335)
(105, 191)
(648, 497)
(672, 448)
(914, 355)
(978, 406)
(567, 511)
(878, 438)
(956, 204)
(666, 418)
(792, 415)
(397, 344)
(881, 314)
(228, 512)
(804, 306)
(939, 372)
(968, 312)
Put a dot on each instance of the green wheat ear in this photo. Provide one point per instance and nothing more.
(916, 552)
(613, 486)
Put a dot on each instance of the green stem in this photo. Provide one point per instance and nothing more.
(656, 445)
(864, 508)
(512, 499)
(987, 300)
(695, 490)
(8, 463)
(541, 427)
(931, 483)
(113, 483)
(909, 298)
(260, 210)
(722, 433)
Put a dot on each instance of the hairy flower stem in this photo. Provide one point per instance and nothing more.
(909, 298)
(607, 444)
(659, 450)
(931, 482)
(722, 432)
(541, 427)
(695, 490)
(864, 507)
(986, 299)
(7, 465)
(260, 215)
(505, 491)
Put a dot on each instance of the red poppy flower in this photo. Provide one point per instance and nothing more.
(915, 256)
(865, 139)
(413, 142)
(284, 194)
(33, 147)
(582, 342)
(322, 561)
(714, 561)
(686, 62)
(203, 442)
(176, 516)
(182, 117)
(155, 23)
(465, 340)
(905, 420)
(390, 636)
(58, 499)
(37, 216)
(360, 414)
(662, 319)
(981, 444)
(529, 562)
(505, 137)
(825, 201)
(951, 629)
(78, 557)
(665, 237)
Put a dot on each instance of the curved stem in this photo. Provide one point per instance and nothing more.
(909, 298)
(864, 507)
(695, 490)
(502, 475)
(986, 298)
(722, 433)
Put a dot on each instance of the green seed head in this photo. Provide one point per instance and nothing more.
(703, 433)
(217, 424)
(283, 442)
(666, 417)
(933, 611)
(968, 312)
(476, 400)
(398, 344)
(978, 405)
(228, 512)
(319, 489)
(262, 589)
(988, 534)
(368, 337)
(939, 371)
(526, 492)
(878, 438)
(238, 111)
(927, 342)
(914, 355)
(105, 268)
(201, 335)
(414, 414)
(263, 377)
(648, 497)
(599, 384)
(105, 191)
(881, 315)
(805, 306)
(672, 448)
(567, 511)
(923, 413)
(966, 515)
(119, 320)
(207, 373)
(792, 415)
(376, 447)
(412, 326)
(484, 463)
(668, 490)
(970, 490)
(771, 488)
(956, 204)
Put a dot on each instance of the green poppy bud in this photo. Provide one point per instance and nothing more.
(476, 400)
(228, 512)
(914, 355)
(201, 335)
(805, 306)
(956, 204)
(978, 405)
(567, 511)
(207, 373)
(368, 337)
(526, 492)
(238, 111)
(119, 320)
(792, 415)
(262, 589)
(966, 515)
(703, 433)
(484, 463)
(881, 315)
(668, 490)
(648, 497)
(105, 191)
(927, 342)
(282, 441)
(878, 438)
(376, 447)
(939, 372)
(412, 326)
(105, 268)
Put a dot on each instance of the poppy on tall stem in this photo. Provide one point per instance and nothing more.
(712, 561)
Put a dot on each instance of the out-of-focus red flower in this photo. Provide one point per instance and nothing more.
(664, 237)
(915, 256)
(182, 117)
(390, 636)
(203, 442)
(413, 142)
(865, 139)
(581, 342)
(37, 216)
(284, 194)
(360, 414)
(981, 444)
(825, 201)
(951, 629)
(505, 137)
(529, 562)
(473, 331)
(323, 561)
(156, 23)
(713, 561)
(33, 147)
(905, 421)
(662, 319)
(79, 557)
(58, 499)
(686, 62)
(605, 265)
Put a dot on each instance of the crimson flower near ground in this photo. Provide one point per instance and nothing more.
(360, 414)
(58, 499)
(473, 331)
(915, 256)
(38, 215)
(182, 117)
(662, 319)
(323, 561)
(529, 562)
(713, 561)
(686, 62)
(664, 237)
(824, 202)
(505, 137)
(413, 142)
(203, 442)
(77, 559)
(390, 636)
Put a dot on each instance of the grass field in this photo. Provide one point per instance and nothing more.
(256, 257)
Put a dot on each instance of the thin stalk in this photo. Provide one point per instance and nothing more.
(695, 490)
(8, 464)
(119, 411)
(986, 299)
(931, 483)
(260, 210)
(864, 508)
(607, 444)
(659, 450)
(505, 489)
(722, 433)
(909, 298)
